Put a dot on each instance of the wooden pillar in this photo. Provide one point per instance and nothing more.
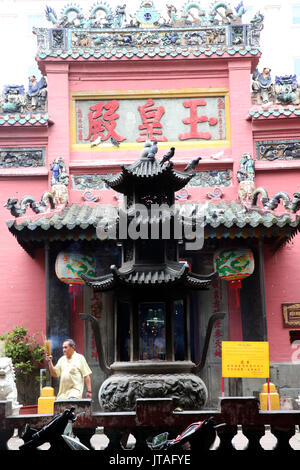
(252, 305)
(57, 314)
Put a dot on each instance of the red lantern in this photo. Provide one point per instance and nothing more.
(69, 266)
(233, 266)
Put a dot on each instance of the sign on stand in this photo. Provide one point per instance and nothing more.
(245, 359)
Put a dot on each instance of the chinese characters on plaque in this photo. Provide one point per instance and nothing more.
(245, 359)
(103, 120)
(162, 119)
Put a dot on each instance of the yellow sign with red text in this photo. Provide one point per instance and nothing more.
(245, 359)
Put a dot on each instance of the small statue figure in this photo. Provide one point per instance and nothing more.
(59, 181)
(59, 175)
(8, 389)
(37, 92)
(120, 15)
(286, 87)
(227, 15)
(245, 177)
(246, 171)
(13, 99)
(262, 85)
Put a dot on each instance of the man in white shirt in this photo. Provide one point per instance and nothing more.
(73, 371)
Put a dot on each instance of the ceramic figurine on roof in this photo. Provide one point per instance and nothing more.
(258, 18)
(286, 89)
(120, 16)
(245, 177)
(175, 20)
(58, 195)
(262, 85)
(51, 15)
(18, 209)
(59, 175)
(100, 16)
(189, 27)
(37, 93)
(13, 99)
(191, 15)
(147, 15)
(71, 17)
(196, 13)
(59, 181)
(246, 171)
(222, 13)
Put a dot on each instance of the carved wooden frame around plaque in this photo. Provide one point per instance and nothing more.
(291, 315)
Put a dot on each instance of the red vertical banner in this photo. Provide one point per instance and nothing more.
(234, 318)
(76, 307)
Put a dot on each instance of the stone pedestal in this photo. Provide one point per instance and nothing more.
(132, 380)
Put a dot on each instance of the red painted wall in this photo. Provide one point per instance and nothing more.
(282, 285)
(22, 282)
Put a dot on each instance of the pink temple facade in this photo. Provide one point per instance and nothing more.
(203, 104)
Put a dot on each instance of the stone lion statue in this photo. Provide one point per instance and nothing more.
(8, 389)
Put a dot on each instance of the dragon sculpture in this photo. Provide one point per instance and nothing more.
(18, 209)
(289, 204)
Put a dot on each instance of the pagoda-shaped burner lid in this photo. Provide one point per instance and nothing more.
(150, 257)
(170, 275)
(147, 172)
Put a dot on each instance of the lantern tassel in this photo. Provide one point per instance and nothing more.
(72, 291)
(236, 285)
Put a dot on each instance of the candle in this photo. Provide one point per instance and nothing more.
(48, 347)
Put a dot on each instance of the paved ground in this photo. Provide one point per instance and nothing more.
(100, 441)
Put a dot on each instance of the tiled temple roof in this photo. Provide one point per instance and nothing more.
(229, 215)
(223, 220)
(274, 112)
(118, 53)
(24, 119)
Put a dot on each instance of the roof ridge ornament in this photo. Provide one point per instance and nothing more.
(147, 31)
(191, 14)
